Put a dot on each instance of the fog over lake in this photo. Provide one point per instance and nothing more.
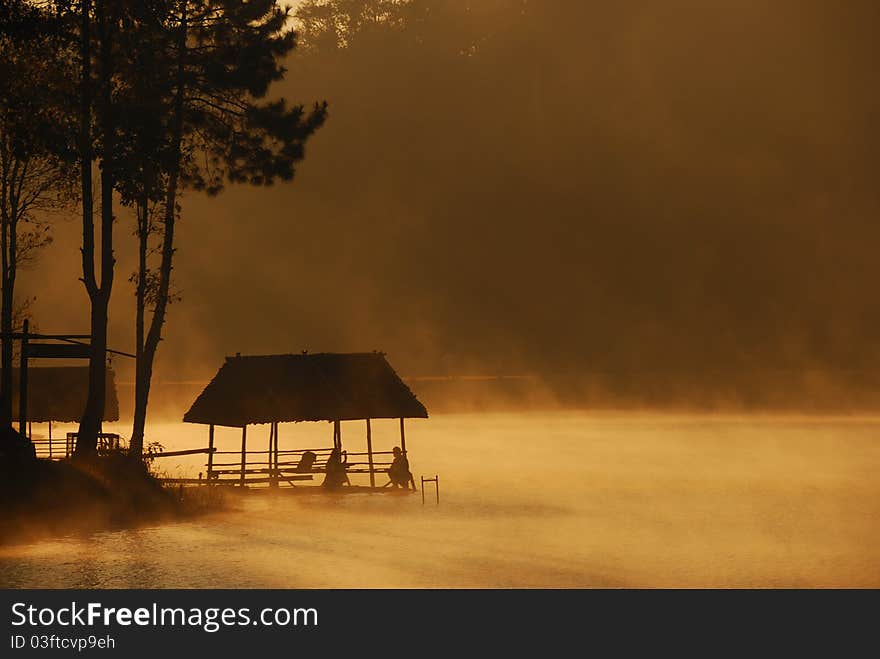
(566, 499)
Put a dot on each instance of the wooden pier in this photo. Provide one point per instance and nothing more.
(277, 467)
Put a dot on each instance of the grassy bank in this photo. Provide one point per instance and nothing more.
(44, 498)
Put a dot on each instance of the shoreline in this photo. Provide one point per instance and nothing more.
(45, 499)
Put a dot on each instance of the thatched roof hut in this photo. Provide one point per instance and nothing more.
(58, 393)
(305, 387)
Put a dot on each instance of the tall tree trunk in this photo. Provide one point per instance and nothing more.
(6, 292)
(7, 309)
(141, 382)
(86, 445)
(93, 414)
(154, 335)
(13, 172)
(151, 343)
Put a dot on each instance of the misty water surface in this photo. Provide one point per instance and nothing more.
(527, 500)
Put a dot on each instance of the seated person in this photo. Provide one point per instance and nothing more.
(306, 460)
(335, 469)
(398, 472)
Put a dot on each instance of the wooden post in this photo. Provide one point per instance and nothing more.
(22, 381)
(370, 454)
(269, 449)
(50, 439)
(277, 472)
(436, 481)
(337, 434)
(402, 437)
(273, 466)
(211, 454)
(243, 453)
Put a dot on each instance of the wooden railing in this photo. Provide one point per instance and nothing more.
(259, 467)
(53, 449)
(63, 448)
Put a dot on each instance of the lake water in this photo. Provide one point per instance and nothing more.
(527, 500)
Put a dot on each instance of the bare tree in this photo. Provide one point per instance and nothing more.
(33, 178)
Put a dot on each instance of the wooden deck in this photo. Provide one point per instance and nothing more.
(281, 468)
(235, 488)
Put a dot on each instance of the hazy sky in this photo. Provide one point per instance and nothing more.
(684, 187)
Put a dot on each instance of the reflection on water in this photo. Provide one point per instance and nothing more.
(528, 500)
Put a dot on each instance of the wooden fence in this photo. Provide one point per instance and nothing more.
(56, 448)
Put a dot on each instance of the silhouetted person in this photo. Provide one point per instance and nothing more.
(306, 460)
(398, 472)
(335, 475)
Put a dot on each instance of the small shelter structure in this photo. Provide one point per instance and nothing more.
(58, 394)
(274, 389)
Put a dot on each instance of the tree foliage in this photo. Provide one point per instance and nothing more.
(209, 65)
(149, 98)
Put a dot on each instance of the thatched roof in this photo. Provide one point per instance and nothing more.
(319, 387)
(58, 393)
